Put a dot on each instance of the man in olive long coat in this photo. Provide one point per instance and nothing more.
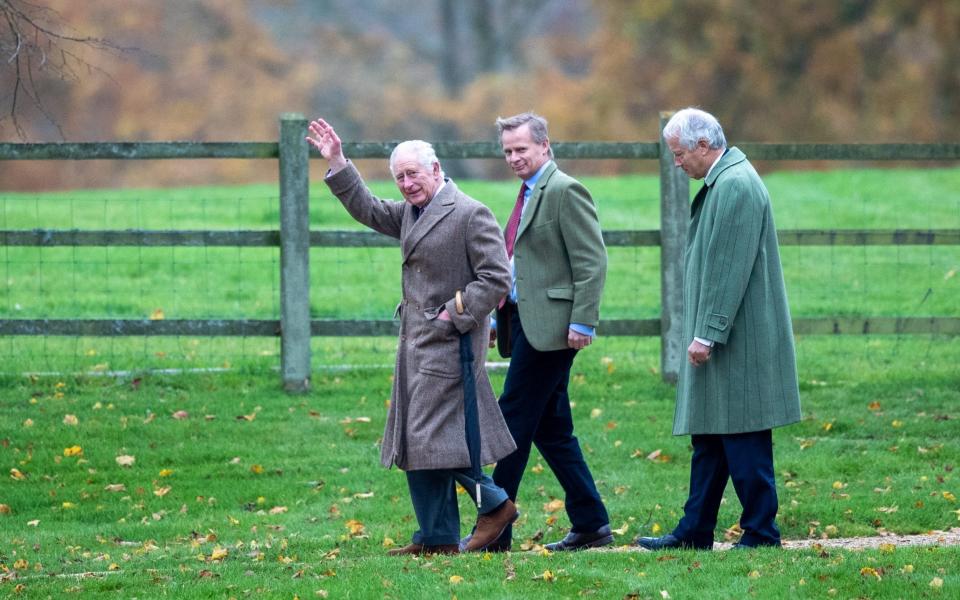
(740, 379)
(454, 273)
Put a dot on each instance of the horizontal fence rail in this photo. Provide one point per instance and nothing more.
(295, 327)
(372, 239)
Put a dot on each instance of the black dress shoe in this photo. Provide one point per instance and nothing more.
(582, 541)
(670, 542)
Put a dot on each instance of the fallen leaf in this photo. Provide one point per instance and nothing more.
(219, 553)
(5, 509)
(157, 315)
(553, 506)
(870, 571)
(455, 579)
(936, 583)
(73, 451)
(180, 415)
(125, 460)
(278, 510)
(116, 487)
(17, 474)
(356, 527)
(70, 420)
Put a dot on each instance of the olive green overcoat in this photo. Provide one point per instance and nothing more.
(734, 295)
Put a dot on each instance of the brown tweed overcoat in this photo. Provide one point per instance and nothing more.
(456, 244)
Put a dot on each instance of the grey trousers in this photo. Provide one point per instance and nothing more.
(434, 496)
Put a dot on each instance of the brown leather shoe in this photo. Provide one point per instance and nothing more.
(491, 525)
(421, 550)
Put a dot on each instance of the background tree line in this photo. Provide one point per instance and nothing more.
(215, 70)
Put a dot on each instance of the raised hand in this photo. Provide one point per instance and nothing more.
(327, 142)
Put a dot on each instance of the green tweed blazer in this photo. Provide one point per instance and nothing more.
(734, 295)
(560, 260)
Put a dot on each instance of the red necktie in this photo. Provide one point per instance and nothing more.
(513, 223)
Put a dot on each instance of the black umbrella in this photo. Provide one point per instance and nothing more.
(471, 414)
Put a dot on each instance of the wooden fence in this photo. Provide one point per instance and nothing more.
(295, 239)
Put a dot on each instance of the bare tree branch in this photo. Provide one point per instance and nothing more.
(39, 46)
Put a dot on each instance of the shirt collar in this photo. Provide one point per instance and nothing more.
(530, 183)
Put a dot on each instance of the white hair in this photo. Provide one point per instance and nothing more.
(423, 151)
(691, 125)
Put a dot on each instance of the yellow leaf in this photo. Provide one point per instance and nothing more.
(219, 553)
(278, 510)
(865, 571)
(907, 569)
(622, 530)
(887, 548)
(595, 413)
(5, 509)
(157, 315)
(827, 426)
(28, 423)
(936, 583)
(547, 576)
(355, 527)
(455, 579)
(656, 529)
(874, 406)
(551, 520)
(20, 564)
(70, 420)
(68, 505)
(537, 468)
(838, 485)
(896, 423)
(73, 451)
(15, 473)
(949, 496)
(116, 487)
(553, 506)
(754, 574)
(161, 492)
(388, 542)
(949, 274)
(113, 567)
(166, 472)
(256, 469)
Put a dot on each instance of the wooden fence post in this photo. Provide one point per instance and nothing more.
(294, 253)
(674, 218)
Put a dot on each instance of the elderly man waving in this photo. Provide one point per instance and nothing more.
(454, 272)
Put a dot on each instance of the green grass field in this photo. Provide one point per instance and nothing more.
(237, 490)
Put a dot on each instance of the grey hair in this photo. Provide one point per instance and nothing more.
(538, 127)
(424, 152)
(691, 125)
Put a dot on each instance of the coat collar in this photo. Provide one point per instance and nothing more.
(730, 158)
(535, 194)
(414, 231)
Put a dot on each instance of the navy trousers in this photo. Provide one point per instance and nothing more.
(536, 408)
(746, 459)
(434, 496)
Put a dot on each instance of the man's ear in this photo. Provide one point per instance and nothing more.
(703, 144)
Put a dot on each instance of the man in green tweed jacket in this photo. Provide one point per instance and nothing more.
(740, 379)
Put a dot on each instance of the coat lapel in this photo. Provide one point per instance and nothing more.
(535, 195)
(438, 208)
